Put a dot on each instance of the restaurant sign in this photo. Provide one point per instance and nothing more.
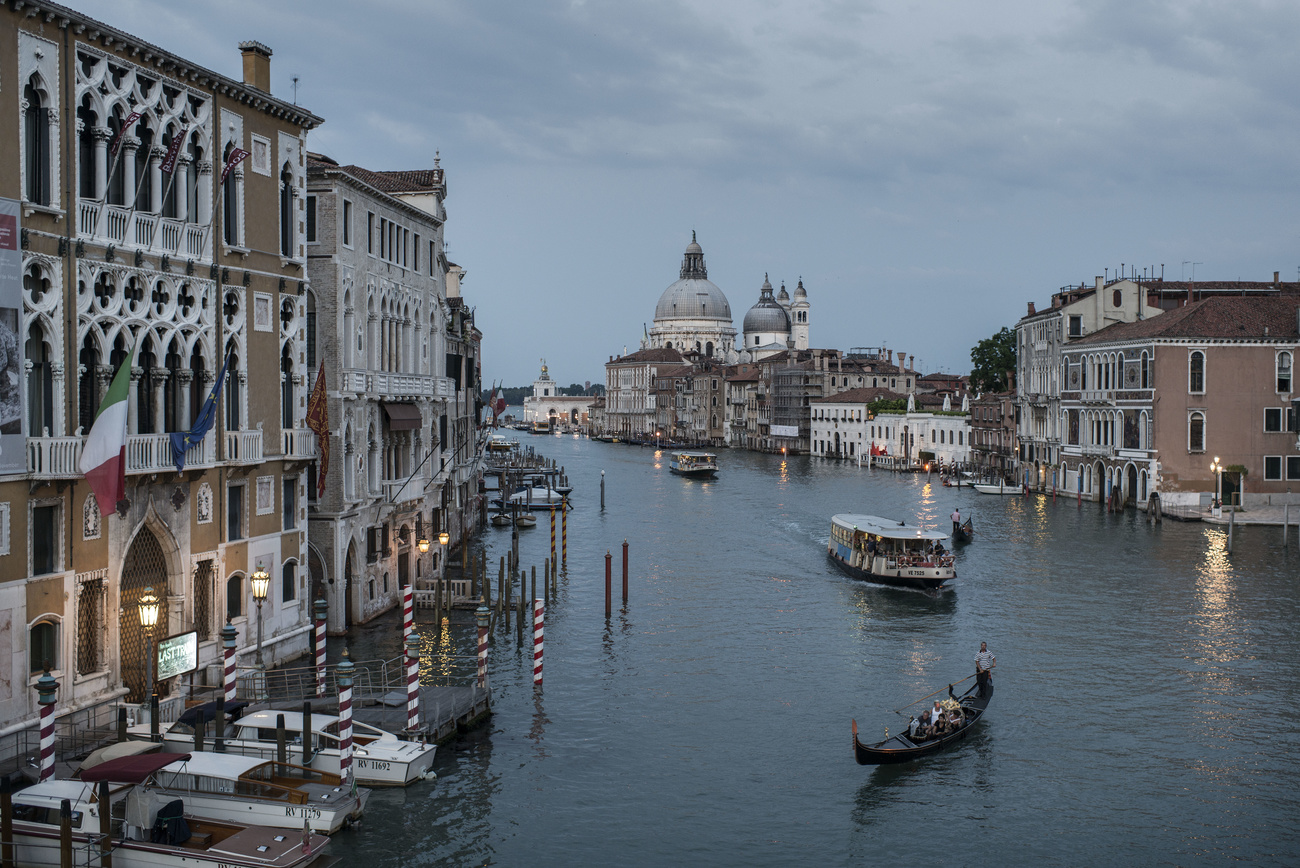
(178, 655)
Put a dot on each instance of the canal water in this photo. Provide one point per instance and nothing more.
(1146, 686)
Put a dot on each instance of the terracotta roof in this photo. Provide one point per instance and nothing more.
(743, 377)
(654, 354)
(859, 396)
(411, 181)
(1217, 318)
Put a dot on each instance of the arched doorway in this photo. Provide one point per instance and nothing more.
(1098, 491)
(1131, 486)
(316, 570)
(145, 566)
(349, 582)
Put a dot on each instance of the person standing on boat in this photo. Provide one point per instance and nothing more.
(984, 663)
(956, 521)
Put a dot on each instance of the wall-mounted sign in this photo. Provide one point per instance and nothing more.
(785, 430)
(178, 655)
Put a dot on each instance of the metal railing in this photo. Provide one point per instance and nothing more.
(371, 679)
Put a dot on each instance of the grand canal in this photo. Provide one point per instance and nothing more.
(1145, 710)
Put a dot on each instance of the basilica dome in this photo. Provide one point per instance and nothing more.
(767, 316)
(693, 296)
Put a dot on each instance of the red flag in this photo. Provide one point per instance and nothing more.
(498, 406)
(169, 161)
(126, 125)
(237, 156)
(318, 420)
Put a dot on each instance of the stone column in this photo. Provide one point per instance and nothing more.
(130, 144)
(133, 406)
(102, 136)
(159, 398)
(182, 186)
(156, 155)
(204, 203)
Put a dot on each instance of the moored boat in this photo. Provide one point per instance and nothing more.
(147, 829)
(999, 488)
(902, 747)
(245, 789)
(696, 464)
(379, 758)
(964, 533)
(889, 552)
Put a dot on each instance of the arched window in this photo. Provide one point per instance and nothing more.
(289, 581)
(40, 396)
(87, 186)
(311, 331)
(36, 145)
(286, 212)
(1196, 372)
(1196, 431)
(44, 653)
(286, 387)
(229, 203)
(234, 596)
(1146, 370)
(1284, 372)
(233, 397)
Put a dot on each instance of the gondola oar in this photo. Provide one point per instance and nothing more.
(928, 695)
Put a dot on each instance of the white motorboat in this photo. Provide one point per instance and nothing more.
(379, 758)
(147, 829)
(1000, 488)
(250, 790)
(697, 464)
(890, 552)
(537, 496)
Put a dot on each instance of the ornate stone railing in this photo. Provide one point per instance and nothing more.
(244, 447)
(299, 443)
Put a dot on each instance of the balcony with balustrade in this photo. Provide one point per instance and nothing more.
(243, 447)
(299, 444)
(137, 230)
(59, 457)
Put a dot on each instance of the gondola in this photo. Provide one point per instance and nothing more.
(964, 533)
(900, 748)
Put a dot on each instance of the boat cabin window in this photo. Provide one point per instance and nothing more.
(291, 736)
(44, 814)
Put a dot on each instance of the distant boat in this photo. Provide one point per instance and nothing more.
(697, 464)
(1000, 488)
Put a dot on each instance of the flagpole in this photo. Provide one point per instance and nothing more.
(108, 181)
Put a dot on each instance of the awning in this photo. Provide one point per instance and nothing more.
(403, 417)
(131, 769)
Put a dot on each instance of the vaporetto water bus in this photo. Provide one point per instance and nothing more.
(698, 464)
(890, 552)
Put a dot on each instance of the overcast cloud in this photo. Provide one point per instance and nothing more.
(926, 167)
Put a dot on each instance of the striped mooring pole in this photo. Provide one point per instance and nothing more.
(553, 535)
(46, 688)
(564, 536)
(482, 617)
(539, 616)
(345, 717)
(229, 637)
(412, 681)
(408, 611)
(320, 647)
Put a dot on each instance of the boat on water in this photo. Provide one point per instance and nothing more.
(249, 790)
(500, 519)
(147, 829)
(696, 464)
(542, 426)
(907, 746)
(996, 488)
(964, 533)
(889, 552)
(498, 444)
(526, 519)
(379, 758)
(536, 496)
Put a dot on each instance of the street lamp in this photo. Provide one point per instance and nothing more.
(423, 545)
(261, 584)
(148, 608)
(1217, 469)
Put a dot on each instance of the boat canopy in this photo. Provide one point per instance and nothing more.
(885, 527)
(207, 711)
(131, 769)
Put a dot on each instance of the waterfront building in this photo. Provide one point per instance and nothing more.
(559, 411)
(993, 434)
(929, 430)
(389, 329)
(629, 384)
(1150, 405)
(866, 368)
(693, 313)
(1075, 312)
(690, 402)
(133, 229)
(843, 424)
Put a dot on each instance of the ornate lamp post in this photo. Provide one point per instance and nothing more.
(423, 545)
(148, 609)
(261, 584)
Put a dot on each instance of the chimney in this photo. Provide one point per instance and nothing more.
(1031, 309)
(889, 357)
(1099, 283)
(1277, 278)
(257, 65)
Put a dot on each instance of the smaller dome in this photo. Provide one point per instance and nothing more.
(799, 292)
(766, 316)
(783, 296)
(694, 246)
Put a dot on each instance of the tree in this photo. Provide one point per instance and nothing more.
(993, 359)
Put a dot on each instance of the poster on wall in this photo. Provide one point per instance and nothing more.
(13, 447)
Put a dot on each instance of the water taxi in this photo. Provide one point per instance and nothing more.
(889, 552)
(701, 464)
(147, 829)
(379, 758)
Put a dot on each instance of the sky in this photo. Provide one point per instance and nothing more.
(927, 168)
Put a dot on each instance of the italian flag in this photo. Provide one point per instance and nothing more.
(103, 458)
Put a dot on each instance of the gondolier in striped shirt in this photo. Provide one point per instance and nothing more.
(984, 663)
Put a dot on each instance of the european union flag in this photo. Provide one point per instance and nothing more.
(181, 440)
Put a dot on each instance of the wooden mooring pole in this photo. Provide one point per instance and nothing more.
(1286, 520)
(609, 568)
(624, 572)
(1232, 523)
